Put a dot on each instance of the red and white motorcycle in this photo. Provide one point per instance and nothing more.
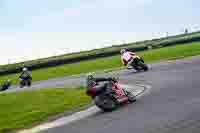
(112, 97)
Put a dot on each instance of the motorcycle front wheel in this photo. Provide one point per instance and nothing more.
(29, 83)
(21, 84)
(131, 97)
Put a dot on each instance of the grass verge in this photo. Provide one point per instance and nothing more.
(165, 53)
(114, 48)
(25, 109)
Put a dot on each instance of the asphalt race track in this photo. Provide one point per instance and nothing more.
(171, 106)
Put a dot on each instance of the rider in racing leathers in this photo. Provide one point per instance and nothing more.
(127, 58)
(97, 84)
(25, 75)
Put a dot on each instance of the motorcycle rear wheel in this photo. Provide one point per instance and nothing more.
(144, 67)
(106, 103)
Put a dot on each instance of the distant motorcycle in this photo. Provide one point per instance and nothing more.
(5, 86)
(138, 64)
(111, 97)
(25, 82)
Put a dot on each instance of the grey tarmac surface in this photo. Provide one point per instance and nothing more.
(171, 106)
(79, 80)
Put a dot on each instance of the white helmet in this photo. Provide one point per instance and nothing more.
(90, 75)
(123, 50)
(24, 69)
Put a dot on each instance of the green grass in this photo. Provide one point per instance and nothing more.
(24, 109)
(110, 62)
(154, 42)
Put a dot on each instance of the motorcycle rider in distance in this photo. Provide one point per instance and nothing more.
(97, 84)
(127, 58)
(25, 75)
(6, 85)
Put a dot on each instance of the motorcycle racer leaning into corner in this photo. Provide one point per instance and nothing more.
(98, 86)
(25, 75)
(127, 58)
